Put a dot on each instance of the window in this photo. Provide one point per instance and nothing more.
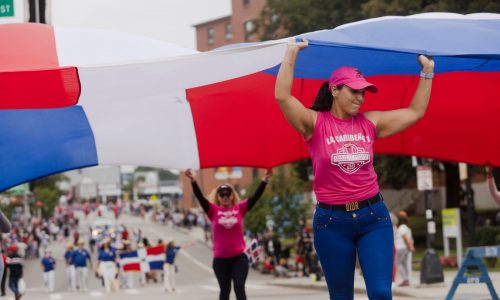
(229, 31)
(211, 36)
(248, 28)
(246, 3)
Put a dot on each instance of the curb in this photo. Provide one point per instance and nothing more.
(357, 290)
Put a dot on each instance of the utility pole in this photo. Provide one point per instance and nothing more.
(430, 269)
(471, 215)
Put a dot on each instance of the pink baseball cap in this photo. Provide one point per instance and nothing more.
(351, 77)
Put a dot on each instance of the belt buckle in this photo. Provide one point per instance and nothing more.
(351, 206)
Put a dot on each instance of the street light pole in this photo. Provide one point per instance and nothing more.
(430, 269)
(469, 195)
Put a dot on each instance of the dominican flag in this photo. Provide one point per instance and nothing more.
(253, 251)
(129, 261)
(152, 258)
(144, 259)
(73, 98)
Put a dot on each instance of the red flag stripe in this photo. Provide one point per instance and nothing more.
(39, 89)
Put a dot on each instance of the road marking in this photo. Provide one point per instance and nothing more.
(256, 286)
(210, 288)
(55, 296)
(132, 291)
(199, 263)
(95, 294)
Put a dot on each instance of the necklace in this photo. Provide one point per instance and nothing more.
(339, 132)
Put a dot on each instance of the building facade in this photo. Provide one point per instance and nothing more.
(235, 28)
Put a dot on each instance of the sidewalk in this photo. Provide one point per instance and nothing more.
(415, 290)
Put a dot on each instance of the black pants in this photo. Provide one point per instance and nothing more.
(231, 268)
(2, 284)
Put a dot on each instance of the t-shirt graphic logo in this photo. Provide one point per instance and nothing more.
(228, 218)
(350, 158)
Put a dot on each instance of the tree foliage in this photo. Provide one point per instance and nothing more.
(46, 190)
(282, 18)
(282, 202)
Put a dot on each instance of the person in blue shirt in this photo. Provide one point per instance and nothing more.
(80, 258)
(70, 267)
(107, 264)
(169, 266)
(48, 267)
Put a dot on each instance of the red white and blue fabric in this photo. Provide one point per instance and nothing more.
(72, 98)
(253, 251)
(144, 259)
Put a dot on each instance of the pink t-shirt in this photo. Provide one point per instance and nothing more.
(342, 159)
(227, 229)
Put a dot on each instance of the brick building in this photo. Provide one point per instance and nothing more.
(235, 28)
(212, 34)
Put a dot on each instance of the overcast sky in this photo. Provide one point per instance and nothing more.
(167, 20)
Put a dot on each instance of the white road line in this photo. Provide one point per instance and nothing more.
(256, 286)
(197, 262)
(96, 294)
(55, 296)
(132, 291)
(210, 288)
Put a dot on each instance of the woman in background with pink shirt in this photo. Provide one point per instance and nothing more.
(351, 217)
(226, 214)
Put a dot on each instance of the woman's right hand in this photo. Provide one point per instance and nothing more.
(488, 170)
(297, 46)
(189, 174)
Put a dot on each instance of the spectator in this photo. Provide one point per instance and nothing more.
(404, 246)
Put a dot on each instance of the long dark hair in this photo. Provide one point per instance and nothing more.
(324, 98)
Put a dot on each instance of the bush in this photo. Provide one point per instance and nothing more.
(487, 236)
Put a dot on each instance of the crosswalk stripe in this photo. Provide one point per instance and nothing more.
(210, 288)
(95, 294)
(132, 291)
(255, 286)
(55, 296)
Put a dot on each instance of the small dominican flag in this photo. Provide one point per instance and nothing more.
(145, 259)
(129, 261)
(253, 251)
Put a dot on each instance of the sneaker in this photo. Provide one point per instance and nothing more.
(404, 283)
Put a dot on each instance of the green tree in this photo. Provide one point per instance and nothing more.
(46, 190)
(282, 202)
(394, 171)
(281, 18)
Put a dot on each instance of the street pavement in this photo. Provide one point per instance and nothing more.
(195, 279)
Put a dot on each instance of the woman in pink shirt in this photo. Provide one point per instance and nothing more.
(226, 213)
(350, 216)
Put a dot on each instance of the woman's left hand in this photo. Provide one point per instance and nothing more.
(427, 63)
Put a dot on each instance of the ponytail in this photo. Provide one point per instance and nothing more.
(324, 99)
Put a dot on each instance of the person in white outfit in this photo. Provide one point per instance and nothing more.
(70, 267)
(80, 258)
(169, 266)
(107, 264)
(404, 246)
(48, 267)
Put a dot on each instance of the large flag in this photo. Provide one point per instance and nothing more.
(144, 259)
(72, 98)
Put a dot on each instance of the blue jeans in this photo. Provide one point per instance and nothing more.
(338, 235)
(13, 285)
